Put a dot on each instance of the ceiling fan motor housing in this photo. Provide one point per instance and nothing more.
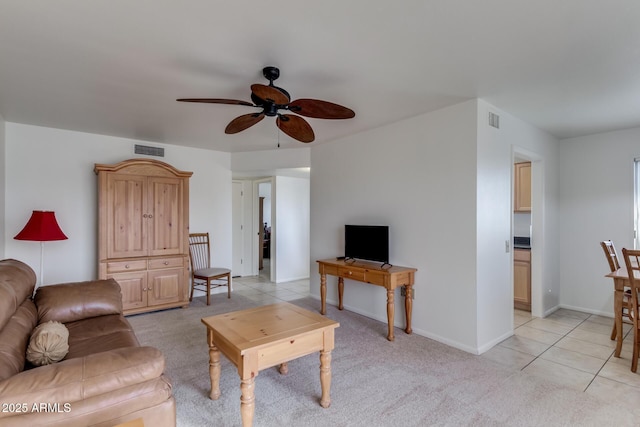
(271, 73)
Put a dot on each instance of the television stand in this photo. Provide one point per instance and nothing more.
(372, 273)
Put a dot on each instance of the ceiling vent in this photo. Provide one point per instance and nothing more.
(494, 120)
(149, 151)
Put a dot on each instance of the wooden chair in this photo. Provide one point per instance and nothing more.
(203, 276)
(625, 308)
(632, 260)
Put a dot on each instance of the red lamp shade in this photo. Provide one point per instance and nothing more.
(42, 227)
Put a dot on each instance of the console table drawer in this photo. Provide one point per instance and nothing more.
(347, 273)
(122, 266)
(158, 263)
(374, 278)
(329, 269)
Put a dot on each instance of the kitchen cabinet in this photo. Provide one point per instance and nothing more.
(522, 279)
(522, 187)
(143, 212)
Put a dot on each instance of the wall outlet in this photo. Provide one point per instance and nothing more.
(403, 292)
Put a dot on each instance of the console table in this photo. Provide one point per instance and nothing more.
(372, 273)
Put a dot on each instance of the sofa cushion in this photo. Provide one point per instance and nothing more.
(17, 281)
(69, 302)
(14, 338)
(99, 334)
(49, 343)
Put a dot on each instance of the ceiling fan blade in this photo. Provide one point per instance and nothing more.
(296, 127)
(243, 122)
(318, 109)
(217, 101)
(270, 93)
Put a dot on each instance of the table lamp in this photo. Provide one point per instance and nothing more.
(41, 227)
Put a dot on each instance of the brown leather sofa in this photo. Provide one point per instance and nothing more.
(106, 378)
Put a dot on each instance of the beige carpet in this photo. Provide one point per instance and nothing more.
(412, 381)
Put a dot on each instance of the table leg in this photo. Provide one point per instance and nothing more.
(390, 314)
(408, 306)
(284, 368)
(214, 367)
(323, 293)
(247, 401)
(617, 317)
(325, 378)
(340, 292)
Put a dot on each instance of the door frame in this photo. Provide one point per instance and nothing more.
(537, 226)
(255, 240)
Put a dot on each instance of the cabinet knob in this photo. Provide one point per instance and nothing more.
(166, 263)
(350, 273)
(145, 216)
(150, 215)
(126, 266)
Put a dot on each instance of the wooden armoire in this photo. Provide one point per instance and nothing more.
(143, 232)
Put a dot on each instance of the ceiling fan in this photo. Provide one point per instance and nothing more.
(271, 99)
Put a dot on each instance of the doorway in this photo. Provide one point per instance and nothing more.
(265, 235)
(535, 224)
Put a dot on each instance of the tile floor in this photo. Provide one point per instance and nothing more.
(574, 349)
(568, 347)
(261, 290)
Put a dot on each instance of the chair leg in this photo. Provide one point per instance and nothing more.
(208, 290)
(613, 332)
(229, 285)
(634, 361)
(193, 283)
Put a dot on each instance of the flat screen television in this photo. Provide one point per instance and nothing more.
(367, 242)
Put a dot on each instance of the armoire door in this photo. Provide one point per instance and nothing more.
(126, 227)
(164, 216)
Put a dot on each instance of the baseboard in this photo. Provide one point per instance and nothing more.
(421, 332)
(586, 310)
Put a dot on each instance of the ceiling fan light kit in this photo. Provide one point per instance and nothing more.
(271, 99)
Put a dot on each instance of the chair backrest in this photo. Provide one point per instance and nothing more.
(610, 253)
(632, 261)
(199, 252)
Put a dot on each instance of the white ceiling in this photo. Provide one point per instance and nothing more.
(116, 67)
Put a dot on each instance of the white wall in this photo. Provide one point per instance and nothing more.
(596, 196)
(442, 182)
(494, 212)
(417, 176)
(2, 186)
(292, 228)
(53, 169)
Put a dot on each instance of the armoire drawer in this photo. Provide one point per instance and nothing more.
(129, 265)
(158, 263)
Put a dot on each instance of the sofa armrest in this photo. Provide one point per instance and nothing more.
(74, 380)
(69, 302)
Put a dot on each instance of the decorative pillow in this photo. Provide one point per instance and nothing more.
(49, 343)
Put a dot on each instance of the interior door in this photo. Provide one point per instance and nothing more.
(237, 212)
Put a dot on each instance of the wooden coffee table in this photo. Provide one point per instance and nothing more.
(267, 336)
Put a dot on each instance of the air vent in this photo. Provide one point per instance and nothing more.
(149, 151)
(494, 120)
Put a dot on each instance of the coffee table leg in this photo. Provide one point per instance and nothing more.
(214, 367)
(325, 378)
(247, 401)
(284, 368)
